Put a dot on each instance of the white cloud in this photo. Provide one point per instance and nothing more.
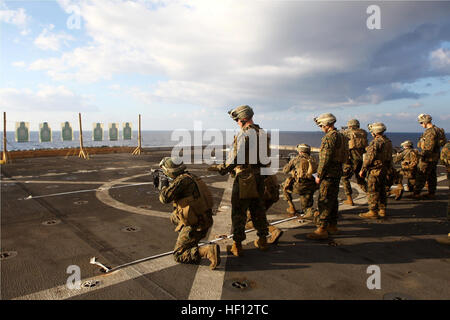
(272, 54)
(48, 40)
(46, 98)
(18, 17)
(440, 59)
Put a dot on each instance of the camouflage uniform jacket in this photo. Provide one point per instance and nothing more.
(445, 156)
(378, 154)
(409, 158)
(429, 145)
(245, 153)
(329, 167)
(356, 153)
(301, 160)
(182, 186)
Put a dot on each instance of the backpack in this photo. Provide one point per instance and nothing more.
(205, 193)
(442, 139)
(189, 209)
(342, 152)
(357, 139)
(305, 168)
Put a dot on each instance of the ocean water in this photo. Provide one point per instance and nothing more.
(164, 138)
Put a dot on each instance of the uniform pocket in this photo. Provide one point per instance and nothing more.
(248, 188)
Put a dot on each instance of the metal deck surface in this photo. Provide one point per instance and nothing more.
(106, 207)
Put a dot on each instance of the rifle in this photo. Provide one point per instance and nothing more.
(159, 178)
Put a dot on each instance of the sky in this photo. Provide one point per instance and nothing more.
(177, 62)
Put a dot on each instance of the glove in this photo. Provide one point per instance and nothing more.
(163, 182)
(156, 181)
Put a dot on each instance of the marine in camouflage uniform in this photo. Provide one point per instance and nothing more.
(429, 157)
(408, 158)
(377, 161)
(301, 182)
(333, 153)
(191, 224)
(271, 196)
(357, 140)
(445, 158)
(248, 185)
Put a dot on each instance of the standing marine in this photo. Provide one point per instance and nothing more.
(430, 144)
(192, 212)
(271, 196)
(248, 186)
(408, 159)
(445, 158)
(301, 182)
(333, 153)
(377, 162)
(357, 143)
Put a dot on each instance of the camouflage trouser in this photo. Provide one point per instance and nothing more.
(411, 181)
(186, 248)
(348, 170)
(239, 209)
(448, 205)
(426, 172)
(304, 188)
(328, 202)
(376, 190)
(305, 197)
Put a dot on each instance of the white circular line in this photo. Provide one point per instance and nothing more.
(103, 195)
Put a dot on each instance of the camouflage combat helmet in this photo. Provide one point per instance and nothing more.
(353, 123)
(172, 167)
(325, 119)
(424, 118)
(242, 112)
(377, 127)
(304, 148)
(406, 144)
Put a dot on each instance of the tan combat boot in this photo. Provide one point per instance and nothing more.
(236, 249)
(318, 234)
(349, 200)
(291, 209)
(275, 235)
(332, 229)
(308, 215)
(261, 243)
(382, 213)
(369, 215)
(398, 192)
(211, 252)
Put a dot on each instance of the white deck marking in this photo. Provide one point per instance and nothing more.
(104, 196)
(208, 284)
(125, 274)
